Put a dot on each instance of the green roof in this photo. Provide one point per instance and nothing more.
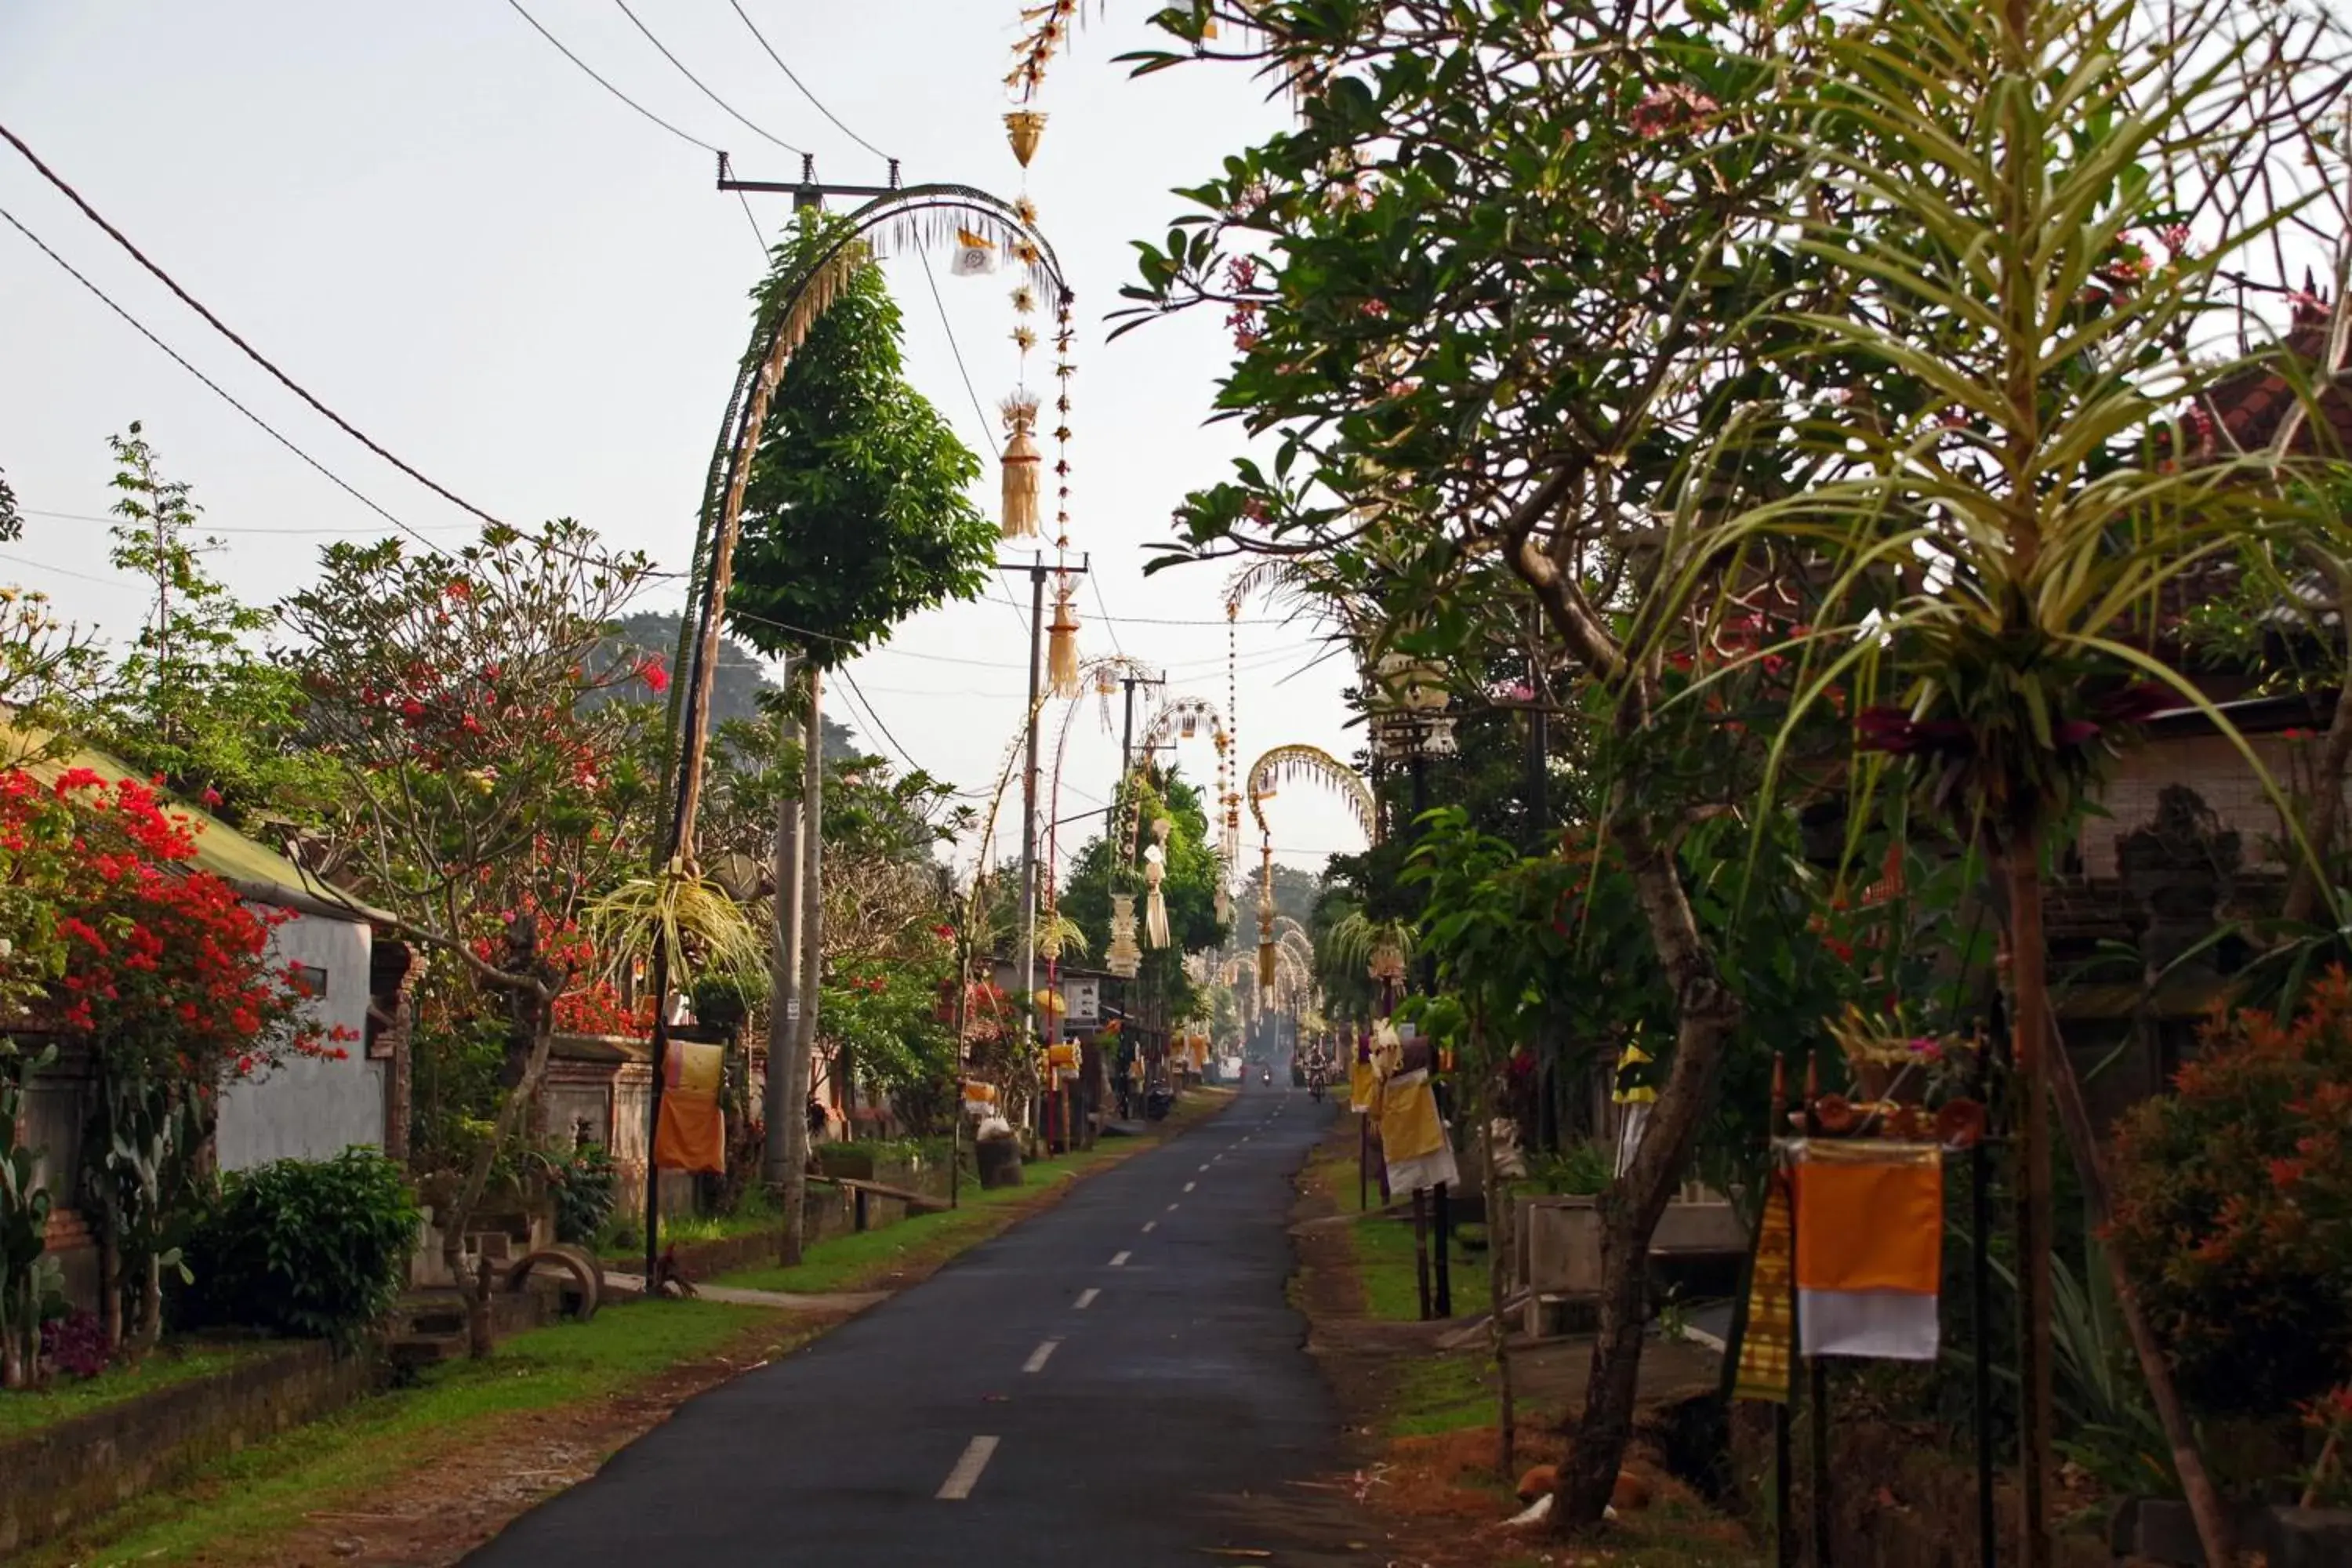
(253, 868)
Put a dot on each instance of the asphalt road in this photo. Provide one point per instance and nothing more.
(1118, 1381)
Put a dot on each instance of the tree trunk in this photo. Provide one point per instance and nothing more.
(1499, 1221)
(1706, 1013)
(472, 1289)
(2196, 1485)
(110, 1272)
(812, 970)
(2030, 1065)
(2310, 883)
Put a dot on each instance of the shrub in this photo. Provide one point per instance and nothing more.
(2233, 1209)
(314, 1248)
(76, 1345)
(586, 1188)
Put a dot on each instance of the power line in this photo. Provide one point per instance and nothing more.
(221, 327)
(876, 718)
(211, 528)
(217, 390)
(61, 571)
(979, 412)
(607, 85)
(755, 128)
(795, 79)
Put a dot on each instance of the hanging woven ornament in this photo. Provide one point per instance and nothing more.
(1062, 642)
(1021, 476)
(1123, 957)
(1224, 903)
(1023, 127)
(1155, 872)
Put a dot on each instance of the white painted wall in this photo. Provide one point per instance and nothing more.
(306, 1108)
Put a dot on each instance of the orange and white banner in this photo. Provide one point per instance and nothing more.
(691, 1134)
(1870, 1246)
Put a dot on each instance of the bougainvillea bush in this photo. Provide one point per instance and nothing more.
(116, 937)
(2233, 1209)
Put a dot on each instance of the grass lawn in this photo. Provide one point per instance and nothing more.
(271, 1487)
(864, 1260)
(28, 1410)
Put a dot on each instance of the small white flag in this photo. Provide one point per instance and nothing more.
(974, 255)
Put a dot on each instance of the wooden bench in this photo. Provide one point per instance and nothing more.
(861, 1192)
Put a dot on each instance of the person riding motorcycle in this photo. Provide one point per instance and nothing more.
(1315, 1077)
(1266, 1074)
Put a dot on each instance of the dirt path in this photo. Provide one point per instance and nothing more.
(1426, 1485)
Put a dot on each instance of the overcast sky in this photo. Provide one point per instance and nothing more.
(472, 251)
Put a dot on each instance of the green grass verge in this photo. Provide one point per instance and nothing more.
(1444, 1394)
(29, 1410)
(266, 1490)
(864, 1260)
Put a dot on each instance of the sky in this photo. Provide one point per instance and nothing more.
(479, 256)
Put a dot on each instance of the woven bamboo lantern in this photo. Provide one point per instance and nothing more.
(1062, 642)
(1021, 470)
(1123, 957)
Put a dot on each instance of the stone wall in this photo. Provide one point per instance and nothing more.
(2213, 767)
(61, 1475)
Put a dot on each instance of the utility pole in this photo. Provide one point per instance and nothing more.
(1037, 572)
(807, 190)
(783, 968)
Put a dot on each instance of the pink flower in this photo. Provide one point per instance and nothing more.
(1672, 108)
(655, 676)
(211, 797)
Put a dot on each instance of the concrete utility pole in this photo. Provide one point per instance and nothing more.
(812, 958)
(784, 969)
(1037, 572)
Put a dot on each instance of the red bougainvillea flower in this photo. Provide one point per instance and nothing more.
(654, 675)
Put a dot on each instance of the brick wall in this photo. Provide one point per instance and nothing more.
(75, 1470)
(2213, 767)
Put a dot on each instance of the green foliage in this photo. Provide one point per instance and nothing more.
(31, 1281)
(1190, 888)
(2233, 1209)
(1581, 1170)
(312, 1248)
(12, 521)
(192, 699)
(855, 515)
(585, 1187)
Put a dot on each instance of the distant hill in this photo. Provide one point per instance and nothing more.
(742, 676)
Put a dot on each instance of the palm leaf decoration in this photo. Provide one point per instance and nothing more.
(705, 931)
(2021, 449)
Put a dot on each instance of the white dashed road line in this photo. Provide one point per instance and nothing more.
(1150, 1225)
(1119, 1260)
(1040, 1356)
(1190, 1185)
(1087, 1297)
(966, 1474)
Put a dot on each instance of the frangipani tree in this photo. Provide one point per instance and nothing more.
(2031, 209)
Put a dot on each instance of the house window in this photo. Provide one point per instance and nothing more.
(313, 980)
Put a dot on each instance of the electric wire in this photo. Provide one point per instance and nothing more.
(348, 428)
(794, 77)
(753, 126)
(904, 756)
(979, 410)
(217, 390)
(608, 86)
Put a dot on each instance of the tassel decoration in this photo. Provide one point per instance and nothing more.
(1020, 471)
(1062, 645)
(1155, 905)
(1265, 964)
(1022, 128)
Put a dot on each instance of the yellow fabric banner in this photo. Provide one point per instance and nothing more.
(1409, 1124)
(692, 1132)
